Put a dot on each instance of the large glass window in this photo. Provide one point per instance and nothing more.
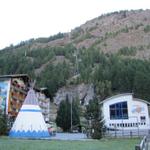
(119, 110)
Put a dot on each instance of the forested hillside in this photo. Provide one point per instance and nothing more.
(112, 52)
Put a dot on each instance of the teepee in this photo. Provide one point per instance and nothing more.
(29, 122)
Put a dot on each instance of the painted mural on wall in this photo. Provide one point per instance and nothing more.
(3, 95)
(137, 109)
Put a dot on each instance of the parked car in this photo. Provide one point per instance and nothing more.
(52, 129)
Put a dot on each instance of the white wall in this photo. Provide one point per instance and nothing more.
(29, 120)
(136, 109)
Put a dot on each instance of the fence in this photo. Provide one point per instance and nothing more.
(125, 133)
(143, 144)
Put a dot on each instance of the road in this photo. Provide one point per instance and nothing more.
(69, 136)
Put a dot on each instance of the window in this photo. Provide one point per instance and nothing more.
(119, 111)
(143, 118)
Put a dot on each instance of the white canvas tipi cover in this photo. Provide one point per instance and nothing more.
(29, 122)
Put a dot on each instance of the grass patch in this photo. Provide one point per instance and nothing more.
(105, 144)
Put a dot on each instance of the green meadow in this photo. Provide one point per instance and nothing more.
(104, 144)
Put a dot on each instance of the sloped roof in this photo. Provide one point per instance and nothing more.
(25, 77)
(141, 100)
(31, 98)
(115, 96)
(125, 94)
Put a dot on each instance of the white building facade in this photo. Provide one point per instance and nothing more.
(44, 104)
(125, 112)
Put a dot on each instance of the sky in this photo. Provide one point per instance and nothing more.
(22, 20)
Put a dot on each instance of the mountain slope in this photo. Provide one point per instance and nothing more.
(109, 33)
(112, 32)
(92, 53)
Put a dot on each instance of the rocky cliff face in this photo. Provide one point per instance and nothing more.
(82, 92)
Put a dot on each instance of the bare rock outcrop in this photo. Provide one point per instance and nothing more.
(83, 92)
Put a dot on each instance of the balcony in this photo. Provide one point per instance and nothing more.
(19, 89)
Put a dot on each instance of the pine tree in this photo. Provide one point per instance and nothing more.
(93, 114)
(63, 118)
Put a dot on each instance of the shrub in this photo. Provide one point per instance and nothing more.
(128, 51)
(147, 29)
(3, 124)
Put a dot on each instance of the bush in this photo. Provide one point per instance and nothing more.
(3, 124)
(97, 129)
(126, 51)
(147, 29)
(125, 30)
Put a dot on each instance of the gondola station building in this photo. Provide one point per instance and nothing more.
(125, 112)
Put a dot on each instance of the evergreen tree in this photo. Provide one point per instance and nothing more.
(93, 114)
(103, 89)
(141, 85)
(63, 118)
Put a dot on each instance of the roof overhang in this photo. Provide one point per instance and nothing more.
(25, 77)
(116, 96)
(125, 94)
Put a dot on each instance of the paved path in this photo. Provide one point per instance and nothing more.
(69, 136)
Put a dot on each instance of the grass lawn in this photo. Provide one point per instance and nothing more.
(104, 144)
